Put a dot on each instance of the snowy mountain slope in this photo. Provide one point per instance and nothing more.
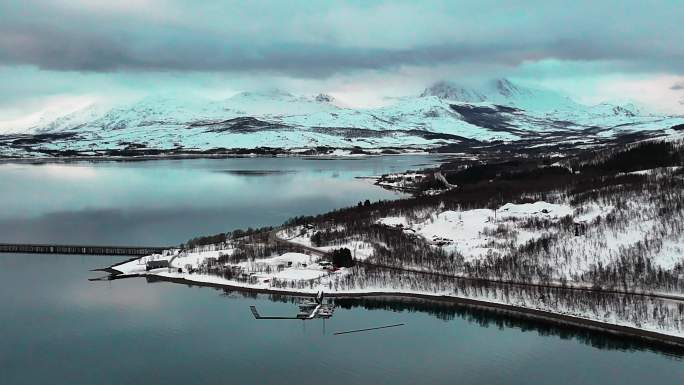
(275, 103)
(78, 118)
(546, 110)
(169, 111)
(444, 113)
(503, 92)
(547, 106)
(421, 113)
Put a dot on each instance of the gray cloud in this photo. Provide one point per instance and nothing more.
(677, 87)
(54, 50)
(296, 40)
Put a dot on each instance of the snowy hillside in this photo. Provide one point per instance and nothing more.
(504, 92)
(601, 241)
(443, 114)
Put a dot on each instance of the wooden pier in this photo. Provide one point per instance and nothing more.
(78, 249)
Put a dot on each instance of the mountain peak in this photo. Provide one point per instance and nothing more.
(507, 88)
(492, 91)
(324, 98)
(503, 92)
(452, 91)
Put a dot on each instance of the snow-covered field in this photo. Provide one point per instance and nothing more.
(258, 273)
(473, 233)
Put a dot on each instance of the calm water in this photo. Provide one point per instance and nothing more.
(56, 327)
(167, 202)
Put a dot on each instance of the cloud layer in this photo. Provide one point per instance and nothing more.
(363, 50)
(320, 39)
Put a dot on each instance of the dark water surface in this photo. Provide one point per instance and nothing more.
(58, 328)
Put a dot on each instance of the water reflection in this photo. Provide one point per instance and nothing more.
(167, 202)
(501, 319)
(482, 316)
(59, 328)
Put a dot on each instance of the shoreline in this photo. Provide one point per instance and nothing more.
(550, 285)
(143, 158)
(555, 318)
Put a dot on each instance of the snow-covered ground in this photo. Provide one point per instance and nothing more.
(300, 274)
(360, 249)
(480, 233)
(485, 233)
(288, 267)
(473, 233)
(614, 231)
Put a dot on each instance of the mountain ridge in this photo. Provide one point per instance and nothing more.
(499, 111)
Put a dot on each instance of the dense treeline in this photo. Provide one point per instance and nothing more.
(223, 238)
(341, 257)
(641, 156)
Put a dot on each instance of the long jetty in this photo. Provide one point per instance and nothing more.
(78, 249)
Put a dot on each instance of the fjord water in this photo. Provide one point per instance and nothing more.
(56, 327)
(166, 202)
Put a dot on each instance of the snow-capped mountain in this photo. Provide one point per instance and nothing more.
(443, 113)
(452, 91)
(78, 118)
(503, 92)
(277, 102)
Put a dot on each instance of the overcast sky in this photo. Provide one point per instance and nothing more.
(56, 54)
